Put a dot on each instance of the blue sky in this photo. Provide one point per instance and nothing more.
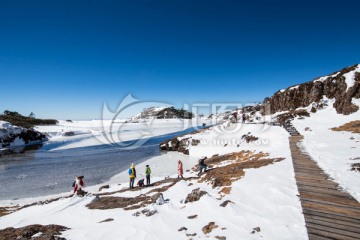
(64, 59)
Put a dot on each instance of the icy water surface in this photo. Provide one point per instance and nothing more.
(42, 172)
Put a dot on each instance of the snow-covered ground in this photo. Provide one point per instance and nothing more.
(333, 151)
(265, 197)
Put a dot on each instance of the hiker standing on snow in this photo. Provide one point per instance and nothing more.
(79, 183)
(180, 169)
(147, 174)
(202, 165)
(132, 175)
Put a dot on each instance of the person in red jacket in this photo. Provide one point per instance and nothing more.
(180, 169)
(79, 183)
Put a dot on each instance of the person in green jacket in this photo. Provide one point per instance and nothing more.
(147, 173)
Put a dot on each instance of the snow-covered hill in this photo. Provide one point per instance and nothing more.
(342, 86)
(162, 113)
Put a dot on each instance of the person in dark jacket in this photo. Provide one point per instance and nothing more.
(202, 165)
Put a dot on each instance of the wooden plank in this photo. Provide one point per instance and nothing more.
(332, 232)
(331, 209)
(308, 170)
(320, 186)
(320, 183)
(326, 198)
(356, 209)
(314, 179)
(320, 177)
(328, 235)
(331, 216)
(302, 189)
(334, 226)
(316, 237)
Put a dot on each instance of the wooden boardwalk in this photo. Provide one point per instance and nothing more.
(329, 212)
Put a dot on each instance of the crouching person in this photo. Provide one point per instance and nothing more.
(78, 185)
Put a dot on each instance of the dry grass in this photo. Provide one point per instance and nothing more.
(4, 211)
(353, 127)
(225, 190)
(224, 175)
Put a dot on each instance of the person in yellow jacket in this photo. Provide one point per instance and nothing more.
(132, 175)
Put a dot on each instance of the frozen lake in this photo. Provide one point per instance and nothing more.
(43, 172)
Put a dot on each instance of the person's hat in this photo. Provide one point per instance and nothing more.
(147, 165)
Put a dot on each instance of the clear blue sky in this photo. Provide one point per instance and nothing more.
(64, 59)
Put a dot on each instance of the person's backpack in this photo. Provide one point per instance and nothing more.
(73, 184)
(130, 171)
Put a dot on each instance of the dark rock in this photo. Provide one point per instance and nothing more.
(225, 203)
(220, 237)
(355, 167)
(191, 234)
(104, 187)
(256, 229)
(146, 212)
(195, 142)
(195, 195)
(192, 216)
(182, 229)
(107, 220)
(69, 134)
(249, 138)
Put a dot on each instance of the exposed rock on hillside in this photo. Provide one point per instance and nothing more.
(33, 232)
(342, 86)
(17, 136)
(163, 112)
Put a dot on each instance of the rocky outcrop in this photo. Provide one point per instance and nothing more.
(163, 113)
(195, 195)
(334, 86)
(176, 145)
(17, 136)
(34, 232)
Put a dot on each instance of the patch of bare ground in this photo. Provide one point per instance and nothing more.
(46, 232)
(110, 202)
(195, 195)
(353, 126)
(225, 190)
(5, 211)
(209, 227)
(224, 175)
(105, 201)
